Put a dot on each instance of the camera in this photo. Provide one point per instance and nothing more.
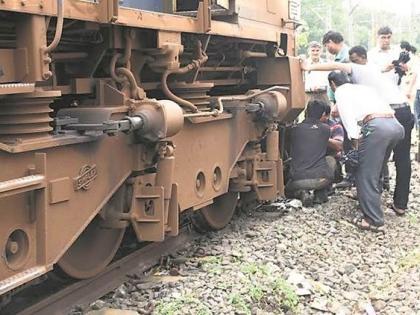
(402, 59)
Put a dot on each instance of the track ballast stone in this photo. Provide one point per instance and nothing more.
(285, 259)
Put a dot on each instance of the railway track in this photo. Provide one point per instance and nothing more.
(58, 301)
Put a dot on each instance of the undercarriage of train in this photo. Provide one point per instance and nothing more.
(106, 127)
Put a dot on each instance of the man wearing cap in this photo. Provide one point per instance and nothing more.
(316, 82)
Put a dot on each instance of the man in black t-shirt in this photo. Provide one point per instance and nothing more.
(310, 168)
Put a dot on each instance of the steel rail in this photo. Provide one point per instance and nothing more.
(87, 291)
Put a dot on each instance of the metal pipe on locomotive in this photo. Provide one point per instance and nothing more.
(115, 117)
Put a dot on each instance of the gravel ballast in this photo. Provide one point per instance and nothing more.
(285, 259)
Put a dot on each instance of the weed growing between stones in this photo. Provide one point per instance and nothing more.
(236, 300)
(256, 293)
(413, 218)
(267, 289)
(411, 260)
(176, 306)
(285, 295)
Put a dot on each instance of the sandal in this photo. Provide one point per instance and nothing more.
(363, 224)
(399, 212)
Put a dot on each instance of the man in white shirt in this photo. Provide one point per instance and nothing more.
(383, 55)
(316, 82)
(370, 122)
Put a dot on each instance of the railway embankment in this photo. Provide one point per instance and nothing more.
(286, 259)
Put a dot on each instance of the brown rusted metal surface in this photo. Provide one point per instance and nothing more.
(165, 111)
(27, 116)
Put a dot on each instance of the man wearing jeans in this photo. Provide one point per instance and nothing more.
(369, 75)
(361, 106)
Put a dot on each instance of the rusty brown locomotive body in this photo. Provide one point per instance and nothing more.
(123, 115)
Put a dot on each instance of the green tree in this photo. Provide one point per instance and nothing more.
(318, 17)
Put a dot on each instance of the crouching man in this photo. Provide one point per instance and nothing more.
(311, 168)
(372, 127)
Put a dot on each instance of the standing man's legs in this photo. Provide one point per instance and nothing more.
(372, 149)
(402, 159)
(417, 108)
(379, 136)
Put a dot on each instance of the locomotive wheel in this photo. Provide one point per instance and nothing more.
(217, 215)
(96, 246)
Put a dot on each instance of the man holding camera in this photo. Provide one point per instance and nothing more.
(384, 54)
(392, 64)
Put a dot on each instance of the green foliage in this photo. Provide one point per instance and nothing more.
(239, 303)
(318, 17)
(302, 40)
(286, 296)
(256, 293)
(212, 265)
(262, 284)
(411, 260)
(279, 232)
(211, 260)
(412, 218)
(175, 307)
(254, 268)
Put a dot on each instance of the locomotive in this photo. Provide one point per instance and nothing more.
(122, 115)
